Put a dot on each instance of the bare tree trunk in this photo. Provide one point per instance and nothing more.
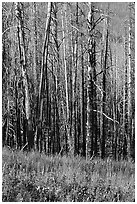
(104, 131)
(132, 75)
(70, 145)
(34, 42)
(91, 88)
(57, 72)
(125, 104)
(75, 84)
(115, 106)
(18, 116)
(83, 129)
(44, 77)
(129, 89)
(19, 14)
(72, 79)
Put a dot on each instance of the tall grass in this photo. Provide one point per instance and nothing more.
(36, 177)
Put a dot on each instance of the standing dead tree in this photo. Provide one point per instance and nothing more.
(23, 64)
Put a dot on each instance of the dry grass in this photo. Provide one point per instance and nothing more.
(40, 178)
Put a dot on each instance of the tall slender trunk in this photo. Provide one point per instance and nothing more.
(95, 128)
(132, 76)
(56, 81)
(104, 131)
(72, 79)
(125, 104)
(83, 129)
(70, 145)
(115, 106)
(91, 88)
(21, 39)
(44, 76)
(18, 115)
(34, 42)
(129, 89)
(75, 84)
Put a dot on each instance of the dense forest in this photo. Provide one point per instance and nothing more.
(68, 78)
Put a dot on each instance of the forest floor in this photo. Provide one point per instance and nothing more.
(29, 177)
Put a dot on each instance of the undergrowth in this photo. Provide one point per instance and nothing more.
(35, 177)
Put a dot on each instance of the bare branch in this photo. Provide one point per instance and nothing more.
(107, 116)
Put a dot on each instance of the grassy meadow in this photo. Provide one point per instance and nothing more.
(35, 177)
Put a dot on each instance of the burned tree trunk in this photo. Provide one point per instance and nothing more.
(91, 139)
(23, 64)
